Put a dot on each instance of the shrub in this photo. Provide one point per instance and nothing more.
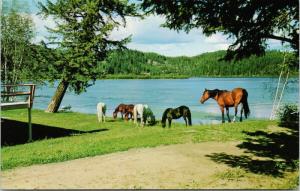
(289, 115)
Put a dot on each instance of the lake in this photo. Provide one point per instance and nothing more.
(160, 94)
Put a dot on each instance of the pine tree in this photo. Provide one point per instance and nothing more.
(82, 35)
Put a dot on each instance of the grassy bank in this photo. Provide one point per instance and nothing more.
(90, 138)
(66, 136)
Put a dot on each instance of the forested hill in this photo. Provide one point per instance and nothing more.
(131, 64)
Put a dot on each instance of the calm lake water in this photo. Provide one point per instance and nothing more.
(160, 94)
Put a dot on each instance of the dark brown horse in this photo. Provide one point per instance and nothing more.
(227, 99)
(124, 109)
(129, 111)
(176, 113)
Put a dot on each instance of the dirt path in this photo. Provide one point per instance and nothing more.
(174, 166)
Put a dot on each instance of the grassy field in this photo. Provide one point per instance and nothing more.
(67, 136)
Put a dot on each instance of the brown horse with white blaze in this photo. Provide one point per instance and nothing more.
(226, 99)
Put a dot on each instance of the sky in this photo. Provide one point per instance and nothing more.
(149, 36)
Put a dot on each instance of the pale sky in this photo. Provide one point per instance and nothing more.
(148, 36)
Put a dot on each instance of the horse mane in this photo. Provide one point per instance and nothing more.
(213, 93)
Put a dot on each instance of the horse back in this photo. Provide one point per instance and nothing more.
(129, 107)
(225, 98)
(238, 93)
(179, 111)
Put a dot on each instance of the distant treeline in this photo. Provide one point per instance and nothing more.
(136, 64)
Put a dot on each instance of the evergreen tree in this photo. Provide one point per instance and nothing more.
(82, 36)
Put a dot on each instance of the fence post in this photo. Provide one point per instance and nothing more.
(29, 125)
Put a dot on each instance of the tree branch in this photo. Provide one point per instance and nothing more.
(279, 38)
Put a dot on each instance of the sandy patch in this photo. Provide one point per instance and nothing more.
(171, 166)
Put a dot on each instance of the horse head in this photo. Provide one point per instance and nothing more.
(115, 114)
(164, 117)
(151, 119)
(205, 96)
(209, 94)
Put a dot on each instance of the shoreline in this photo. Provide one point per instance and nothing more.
(142, 77)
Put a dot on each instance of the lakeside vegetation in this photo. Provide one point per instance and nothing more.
(135, 64)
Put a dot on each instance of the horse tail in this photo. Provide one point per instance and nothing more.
(189, 116)
(104, 109)
(245, 103)
(104, 112)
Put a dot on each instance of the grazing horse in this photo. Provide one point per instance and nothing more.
(145, 114)
(170, 113)
(124, 110)
(129, 111)
(121, 109)
(101, 110)
(227, 99)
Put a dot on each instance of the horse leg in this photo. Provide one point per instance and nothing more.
(143, 120)
(227, 113)
(98, 114)
(222, 110)
(235, 112)
(170, 121)
(241, 118)
(126, 116)
(135, 115)
(184, 117)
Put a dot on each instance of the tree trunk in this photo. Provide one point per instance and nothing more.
(58, 96)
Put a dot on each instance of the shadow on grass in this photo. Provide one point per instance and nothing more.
(16, 132)
(279, 149)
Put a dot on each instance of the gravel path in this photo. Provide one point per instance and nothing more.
(173, 166)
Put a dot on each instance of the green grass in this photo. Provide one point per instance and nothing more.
(120, 136)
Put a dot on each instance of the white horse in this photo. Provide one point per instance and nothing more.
(101, 110)
(144, 112)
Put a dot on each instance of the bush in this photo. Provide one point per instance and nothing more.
(289, 115)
